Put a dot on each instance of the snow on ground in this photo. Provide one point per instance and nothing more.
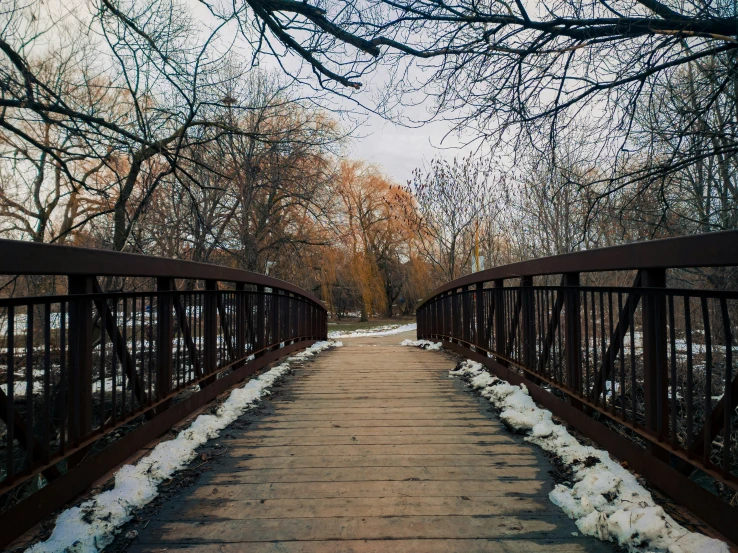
(386, 330)
(92, 525)
(605, 500)
(424, 344)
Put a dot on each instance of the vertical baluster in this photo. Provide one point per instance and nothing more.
(164, 336)
(63, 387)
(150, 338)
(210, 330)
(673, 401)
(633, 364)
(103, 338)
(529, 324)
(261, 313)
(603, 371)
(114, 364)
(690, 371)
(612, 353)
(479, 333)
(586, 344)
(499, 300)
(47, 384)
(654, 355)
(240, 328)
(541, 301)
(621, 341)
(80, 352)
(134, 351)
(595, 398)
(10, 407)
(573, 329)
(727, 399)
(707, 432)
(29, 386)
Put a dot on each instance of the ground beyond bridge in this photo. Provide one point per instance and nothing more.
(371, 447)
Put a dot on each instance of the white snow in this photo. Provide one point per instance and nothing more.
(92, 525)
(387, 330)
(605, 500)
(424, 344)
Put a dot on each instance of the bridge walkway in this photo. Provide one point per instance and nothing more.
(370, 448)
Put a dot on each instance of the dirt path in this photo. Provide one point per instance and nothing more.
(370, 448)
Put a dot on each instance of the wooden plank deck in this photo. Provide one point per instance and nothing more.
(371, 448)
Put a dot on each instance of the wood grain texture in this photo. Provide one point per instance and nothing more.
(370, 448)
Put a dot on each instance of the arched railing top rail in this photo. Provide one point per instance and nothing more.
(648, 371)
(715, 249)
(31, 258)
(89, 376)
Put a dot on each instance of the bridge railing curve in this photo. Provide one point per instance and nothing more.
(648, 369)
(89, 376)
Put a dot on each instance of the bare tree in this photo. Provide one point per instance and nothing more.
(454, 200)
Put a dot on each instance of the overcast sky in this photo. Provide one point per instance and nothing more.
(398, 149)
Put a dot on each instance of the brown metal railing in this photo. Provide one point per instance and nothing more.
(88, 377)
(648, 371)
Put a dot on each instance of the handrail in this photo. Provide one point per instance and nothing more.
(18, 257)
(711, 249)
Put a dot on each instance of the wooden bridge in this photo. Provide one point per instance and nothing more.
(369, 447)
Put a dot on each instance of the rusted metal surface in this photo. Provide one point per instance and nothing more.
(90, 376)
(655, 362)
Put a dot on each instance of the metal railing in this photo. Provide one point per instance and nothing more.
(647, 371)
(89, 376)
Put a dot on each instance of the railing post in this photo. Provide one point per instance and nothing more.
(309, 319)
(240, 329)
(655, 382)
(289, 335)
(454, 315)
(572, 331)
(80, 361)
(260, 330)
(276, 300)
(467, 319)
(480, 316)
(301, 310)
(499, 297)
(529, 323)
(164, 335)
(210, 321)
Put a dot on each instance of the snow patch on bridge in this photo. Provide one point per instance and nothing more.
(386, 330)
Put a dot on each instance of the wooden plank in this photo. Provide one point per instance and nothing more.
(468, 545)
(362, 507)
(385, 474)
(378, 488)
(481, 462)
(358, 449)
(324, 528)
(385, 439)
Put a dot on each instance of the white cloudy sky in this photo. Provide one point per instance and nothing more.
(399, 149)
